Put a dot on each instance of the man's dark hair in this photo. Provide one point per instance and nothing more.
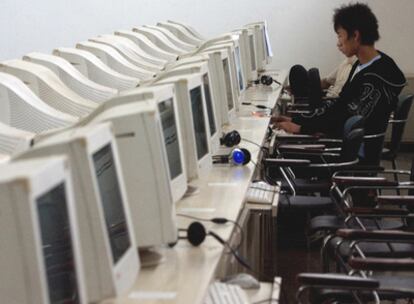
(357, 17)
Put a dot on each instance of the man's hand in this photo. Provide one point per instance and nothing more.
(289, 127)
(280, 118)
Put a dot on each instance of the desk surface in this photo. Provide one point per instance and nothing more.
(186, 272)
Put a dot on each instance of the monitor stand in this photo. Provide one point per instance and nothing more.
(191, 190)
(150, 257)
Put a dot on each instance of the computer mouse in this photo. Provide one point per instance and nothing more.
(244, 280)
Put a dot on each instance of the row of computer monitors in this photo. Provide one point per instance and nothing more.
(85, 195)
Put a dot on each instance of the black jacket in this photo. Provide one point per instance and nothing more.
(372, 92)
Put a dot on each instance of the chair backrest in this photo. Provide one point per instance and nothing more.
(411, 192)
(315, 88)
(351, 144)
(298, 80)
(372, 148)
(399, 121)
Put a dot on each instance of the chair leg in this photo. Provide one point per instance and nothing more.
(394, 166)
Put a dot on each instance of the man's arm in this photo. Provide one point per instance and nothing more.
(329, 80)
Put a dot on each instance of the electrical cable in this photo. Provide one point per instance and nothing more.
(252, 142)
(216, 220)
(256, 105)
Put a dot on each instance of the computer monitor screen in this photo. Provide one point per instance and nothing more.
(198, 122)
(170, 133)
(239, 68)
(112, 202)
(226, 69)
(252, 53)
(57, 246)
(265, 45)
(209, 104)
(269, 51)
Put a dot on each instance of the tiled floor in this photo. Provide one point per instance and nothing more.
(293, 257)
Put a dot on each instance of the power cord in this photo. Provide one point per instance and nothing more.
(256, 105)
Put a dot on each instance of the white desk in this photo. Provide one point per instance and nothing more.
(187, 271)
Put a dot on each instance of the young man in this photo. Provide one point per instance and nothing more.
(372, 87)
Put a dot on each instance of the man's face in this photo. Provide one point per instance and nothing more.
(348, 45)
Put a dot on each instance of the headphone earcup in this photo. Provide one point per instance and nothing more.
(266, 80)
(231, 139)
(196, 233)
(240, 156)
(247, 156)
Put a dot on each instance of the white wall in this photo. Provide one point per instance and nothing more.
(301, 30)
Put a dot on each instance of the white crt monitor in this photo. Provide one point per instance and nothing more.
(147, 45)
(131, 52)
(106, 235)
(247, 47)
(240, 44)
(47, 85)
(20, 108)
(230, 79)
(112, 58)
(195, 129)
(94, 69)
(209, 94)
(165, 98)
(172, 38)
(4, 158)
(180, 32)
(252, 51)
(241, 47)
(268, 53)
(160, 40)
(140, 134)
(243, 35)
(214, 59)
(260, 44)
(14, 140)
(40, 257)
(233, 66)
(189, 29)
(72, 77)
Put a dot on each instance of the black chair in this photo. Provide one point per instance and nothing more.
(398, 122)
(315, 89)
(387, 213)
(362, 269)
(317, 183)
(309, 96)
(369, 280)
(298, 81)
(307, 90)
(300, 207)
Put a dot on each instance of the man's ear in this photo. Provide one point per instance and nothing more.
(357, 36)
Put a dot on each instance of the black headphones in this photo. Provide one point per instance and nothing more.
(237, 156)
(196, 234)
(268, 80)
(230, 139)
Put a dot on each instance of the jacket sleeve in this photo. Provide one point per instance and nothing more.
(373, 100)
(328, 119)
